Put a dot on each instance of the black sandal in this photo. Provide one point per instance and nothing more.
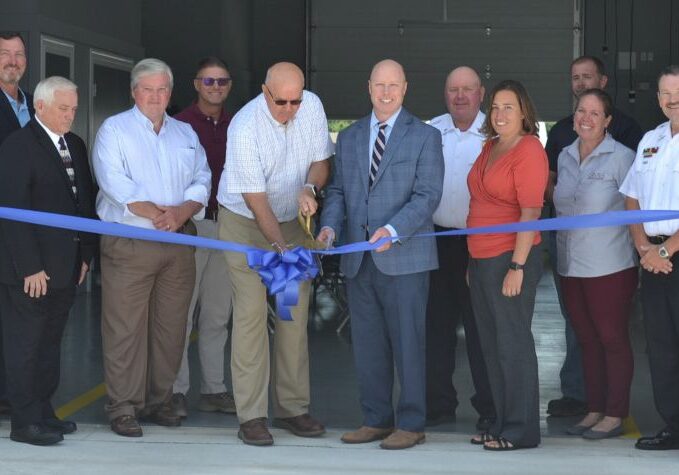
(506, 445)
(483, 438)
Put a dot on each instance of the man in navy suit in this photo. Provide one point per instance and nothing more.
(387, 183)
(16, 109)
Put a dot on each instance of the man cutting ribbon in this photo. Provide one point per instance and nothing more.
(275, 163)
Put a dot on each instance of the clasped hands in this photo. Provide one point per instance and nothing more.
(651, 260)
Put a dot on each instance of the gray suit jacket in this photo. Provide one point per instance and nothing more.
(406, 191)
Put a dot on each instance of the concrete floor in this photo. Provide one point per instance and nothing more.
(207, 443)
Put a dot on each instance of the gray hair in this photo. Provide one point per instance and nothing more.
(46, 88)
(149, 66)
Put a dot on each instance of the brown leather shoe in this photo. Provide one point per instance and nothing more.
(402, 439)
(163, 416)
(303, 425)
(255, 432)
(127, 426)
(366, 434)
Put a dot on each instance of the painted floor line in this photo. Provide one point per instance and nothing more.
(91, 396)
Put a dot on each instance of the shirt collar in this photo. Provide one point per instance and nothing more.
(195, 110)
(22, 104)
(390, 121)
(607, 145)
(475, 128)
(145, 121)
(54, 137)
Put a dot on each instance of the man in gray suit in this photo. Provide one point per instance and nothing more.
(387, 183)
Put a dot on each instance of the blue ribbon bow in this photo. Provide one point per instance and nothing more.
(282, 274)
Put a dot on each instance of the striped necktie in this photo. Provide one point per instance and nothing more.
(68, 164)
(378, 151)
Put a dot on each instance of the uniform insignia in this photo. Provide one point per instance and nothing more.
(650, 151)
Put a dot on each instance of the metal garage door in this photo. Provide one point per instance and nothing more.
(532, 41)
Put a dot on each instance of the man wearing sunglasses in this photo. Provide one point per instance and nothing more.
(210, 308)
(275, 163)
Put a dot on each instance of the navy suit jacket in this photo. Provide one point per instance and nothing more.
(32, 176)
(405, 193)
(8, 119)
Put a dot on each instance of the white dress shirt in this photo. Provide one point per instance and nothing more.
(460, 150)
(653, 179)
(265, 156)
(132, 163)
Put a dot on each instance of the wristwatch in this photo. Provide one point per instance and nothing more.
(515, 266)
(663, 252)
(313, 188)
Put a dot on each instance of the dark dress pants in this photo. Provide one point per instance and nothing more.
(450, 302)
(508, 346)
(32, 331)
(660, 302)
(387, 328)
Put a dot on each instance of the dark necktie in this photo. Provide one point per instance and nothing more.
(378, 151)
(68, 164)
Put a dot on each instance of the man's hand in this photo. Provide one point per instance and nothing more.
(36, 285)
(326, 236)
(511, 286)
(307, 202)
(652, 262)
(379, 234)
(83, 272)
(171, 218)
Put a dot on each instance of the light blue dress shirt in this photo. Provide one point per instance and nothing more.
(20, 108)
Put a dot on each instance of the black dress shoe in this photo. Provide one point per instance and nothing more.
(36, 434)
(566, 407)
(663, 440)
(65, 427)
(484, 423)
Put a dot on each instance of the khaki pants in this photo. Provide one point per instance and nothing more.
(250, 340)
(146, 290)
(212, 300)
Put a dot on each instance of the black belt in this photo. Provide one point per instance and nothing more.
(659, 239)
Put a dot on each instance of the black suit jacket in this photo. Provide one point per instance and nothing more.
(8, 119)
(32, 176)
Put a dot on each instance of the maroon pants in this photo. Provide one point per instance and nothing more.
(599, 308)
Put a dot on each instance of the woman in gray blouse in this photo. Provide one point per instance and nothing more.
(597, 266)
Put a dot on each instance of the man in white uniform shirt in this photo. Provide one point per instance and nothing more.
(652, 184)
(152, 173)
(275, 163)
(449, 300)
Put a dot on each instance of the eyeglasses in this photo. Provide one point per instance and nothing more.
(210, 81)
(282, 102)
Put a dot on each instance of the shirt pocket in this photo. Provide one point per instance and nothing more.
(185, 158)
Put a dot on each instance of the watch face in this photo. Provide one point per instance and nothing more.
(662, 251)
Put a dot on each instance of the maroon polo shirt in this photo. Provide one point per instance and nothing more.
(213, 139)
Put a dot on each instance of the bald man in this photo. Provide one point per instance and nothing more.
(449, 299)
(387, 182)
(276, 162)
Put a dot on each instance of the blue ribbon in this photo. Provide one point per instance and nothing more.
(282, 274)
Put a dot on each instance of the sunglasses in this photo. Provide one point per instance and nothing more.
(283, 102)
(210, 81)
